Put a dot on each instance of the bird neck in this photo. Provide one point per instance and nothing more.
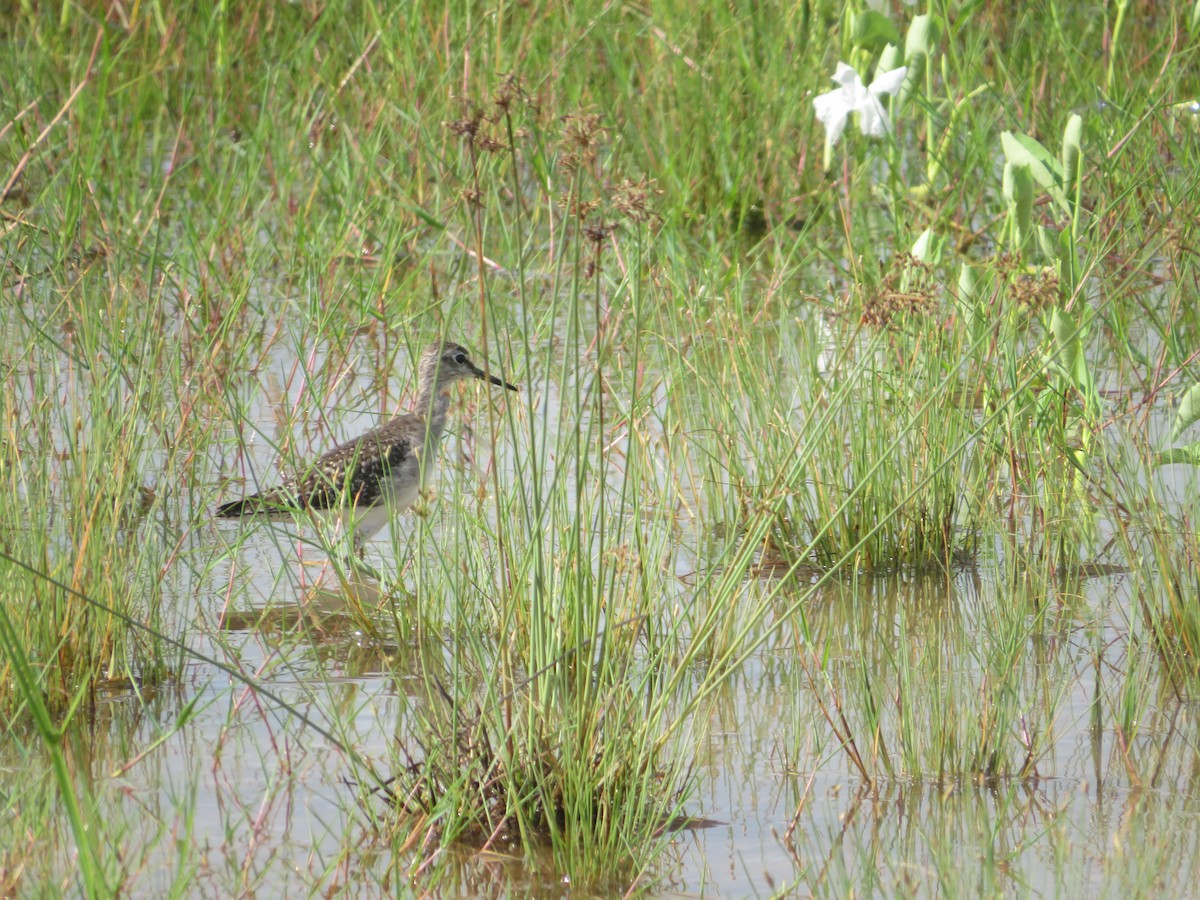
(433, 405)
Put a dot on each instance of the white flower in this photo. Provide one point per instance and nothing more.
(834, 108)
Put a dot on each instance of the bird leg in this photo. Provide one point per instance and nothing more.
(354, 560)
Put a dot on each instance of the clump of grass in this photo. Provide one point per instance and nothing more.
(576, 768)
(895, 481)
(547, 723)
(898, 712)
(77, 501)
(890, 480)
(96, 877)
(1165, 601)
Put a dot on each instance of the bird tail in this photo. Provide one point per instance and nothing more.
(235, 508)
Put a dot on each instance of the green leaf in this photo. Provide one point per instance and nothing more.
(1189, 456)
(889, 59)
(1072, 165)
(967, 281)
(1048, 241)
(1068, 262)
(873, 29)
(1189, 411)
(1018, 191)
(924, 248)
(1068, 338)
(922, 38)
(974, 318)
(1022, 150)
(1072, 151)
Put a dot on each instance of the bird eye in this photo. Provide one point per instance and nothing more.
(460, 358)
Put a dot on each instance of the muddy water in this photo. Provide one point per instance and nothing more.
(245, 797)
(257, 801)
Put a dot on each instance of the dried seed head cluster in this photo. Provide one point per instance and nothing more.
(488, 144)
(1036, 292)
(598, 231)
(580, 141)
(595, 233)
(882, 307)
(475, 128)
(472, 197)
(632, 199)
(891, 299)
(578, 207)
(1033, 292)
(510, 91)
(468, 126)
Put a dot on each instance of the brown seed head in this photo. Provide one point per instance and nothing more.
(578, 207)
(511, 89)
(633, 199)
(467, 126)
(598, 231)
(580, 142)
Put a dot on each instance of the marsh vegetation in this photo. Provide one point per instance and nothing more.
(839, 540)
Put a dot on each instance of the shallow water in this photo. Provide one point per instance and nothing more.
(250, 798)
(256, 800)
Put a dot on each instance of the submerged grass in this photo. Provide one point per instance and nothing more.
(750, 382)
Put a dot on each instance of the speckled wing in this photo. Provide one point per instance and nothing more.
(354, 473)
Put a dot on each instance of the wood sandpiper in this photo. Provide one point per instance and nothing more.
(365, 481)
